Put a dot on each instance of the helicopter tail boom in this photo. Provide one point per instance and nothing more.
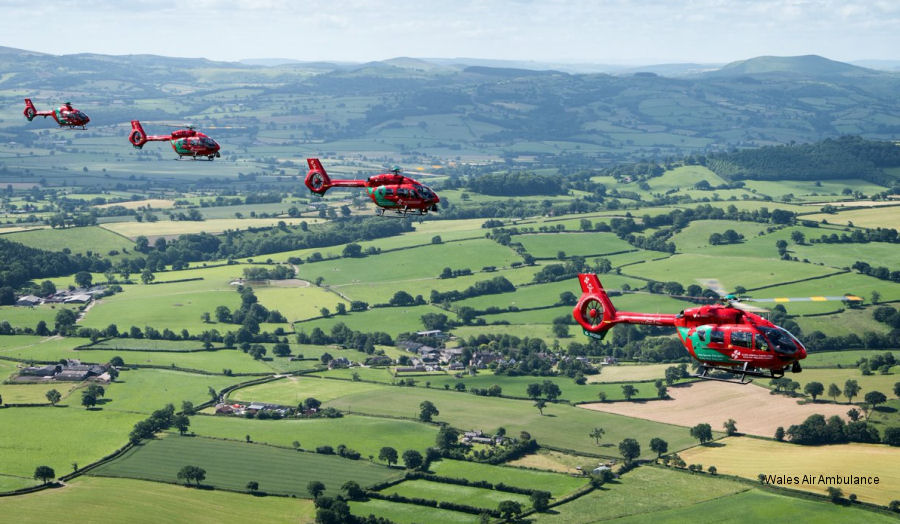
(597, 315)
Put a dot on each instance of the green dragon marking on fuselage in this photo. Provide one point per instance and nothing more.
(701, 347)
(379, 194)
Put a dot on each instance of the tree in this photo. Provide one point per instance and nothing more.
(53, 396)
(353, 490)
(897, 389)
(540, 404)
(182, 423)
(834, 391)
(597, 434)
(187, 407)
(44, 473)
(315, 488)
(834, 493)
(798, 237)
(427, 411)
(873, 398)
(412, 459)
(189, 473)
(629, 391)
(83, 279)
(814, 389)
(311, 403)
(147, 276)
(534, 390)
(88, 399)
(540, 500)
(630, 449)
(551, 390)
(779, 434)
(702, 432)
(253, 486)
(851, 389)
(659, 446)
(509, 509)
(730, 427)
(446, 438)
(65, 318)
(560, 330)
(388, 454)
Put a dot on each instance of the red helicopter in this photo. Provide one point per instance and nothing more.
(390, 191)
(186, 142)
(723, 337)
(65, 116)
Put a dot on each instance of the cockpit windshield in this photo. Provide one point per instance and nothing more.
(424, 192)
(208, 142)
(78, 115)
(780, 340)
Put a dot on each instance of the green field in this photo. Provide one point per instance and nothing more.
(298, 303)
(364, 434)
(146, 390)
(231, 464)
(58, 437)
(465, 411)
(557, 484)
(34, 393)
(548, 245)
(871, 217)
(19, 316)
(82, 240)
(760, 506)
(833, 359)
(150, 503)
(478, 497)
(642, 492)
(410, 513)
(213, 226)
(867, 383)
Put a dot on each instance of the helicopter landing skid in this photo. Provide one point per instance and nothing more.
(744, 372)
(399, 213)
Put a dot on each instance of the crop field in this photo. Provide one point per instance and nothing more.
(410, 513)
(162, 228)
(146, 344)
(364, 434)
(748, 457)
(757, 506)
(871, 217)
(623, 373)
(642, 492)
(79, 240)
(230, 465)
(752, 407)
(867, 383)
(478, 497)
(59, 437)
(152, 502)
(558, 485)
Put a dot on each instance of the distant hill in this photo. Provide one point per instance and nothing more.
(808, 65)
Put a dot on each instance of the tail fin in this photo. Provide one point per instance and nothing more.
(30, 111)
(317, 179)
(137, 137)
(594, 310)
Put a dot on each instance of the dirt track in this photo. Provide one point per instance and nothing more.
(752, 407)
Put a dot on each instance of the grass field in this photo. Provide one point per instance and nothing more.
(146, 390)
(150, 503)
(558, 485)
(152, 230)
(410, 513)
(760, 506)
(230, 465)
(869, 217)
(626, 373)
(19, 316)
(867, 383)
(833, 359)
(95, 239)
(748, 457)
(364, 434)
(642, 492)
(298, 303)
(478, 497)
(466, 411)
(548, 245)
(34, 393)
(392, 320)
(59, 437)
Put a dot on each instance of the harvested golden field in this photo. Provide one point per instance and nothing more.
(755, 410)
(630, 373)
(749, 457)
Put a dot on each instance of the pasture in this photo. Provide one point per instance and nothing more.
(748, 457)
(166, 228)
(230, 465)
(867, 383)
(870, 217)
(755, 410)
(364, 434)
(626, 373)
(410, 513)
(761, 506)
(25, 316)
(834, 359)
(94, 239)
(549, 245)
(478, 497)
(557, 484)
(643, 493)
(298, 302)
(151, 503)
(146, 390)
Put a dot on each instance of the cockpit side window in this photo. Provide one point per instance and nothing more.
(741, 338)
(717, 336)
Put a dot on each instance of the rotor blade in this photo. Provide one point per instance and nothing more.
(850, 298)
(713, 284)
(748, 307)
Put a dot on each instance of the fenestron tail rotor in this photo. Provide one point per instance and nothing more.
(592, 312)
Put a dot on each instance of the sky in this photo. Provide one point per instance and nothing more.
(628, 32)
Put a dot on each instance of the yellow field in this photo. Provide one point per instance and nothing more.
(629, 373)
(152, 203)
(748, 457)
(870, 217)
(168, 228)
